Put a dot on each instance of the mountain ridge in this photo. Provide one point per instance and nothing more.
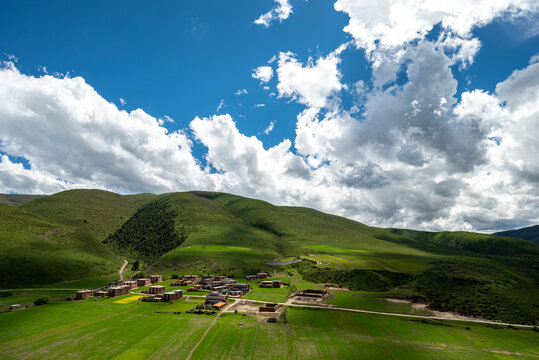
(530, 233)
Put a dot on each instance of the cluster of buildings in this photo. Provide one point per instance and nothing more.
(186, 281)
(158, 294)
(119, 288)
(224, 285)
(220, 287)
(214, 283)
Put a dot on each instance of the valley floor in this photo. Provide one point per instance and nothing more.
(116, 329)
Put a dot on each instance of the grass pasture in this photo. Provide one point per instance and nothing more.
(372, 301)
(104, 329)
(27, 297)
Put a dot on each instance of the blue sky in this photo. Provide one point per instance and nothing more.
(175, 58)
(346, 136)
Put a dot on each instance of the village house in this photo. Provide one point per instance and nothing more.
(207, 278)
(271, 284)
(260, 275)
(269, 307)
(84, 294)
(215, 298)
(196, 287)
(243, 288)
(101, 293)
(152, 298)
(186, 281)
(266, 284)
(313, 293)
(143, 282)
(119, 290)
(156, 278)
(173, 295)
(156, 289)
(131, 284)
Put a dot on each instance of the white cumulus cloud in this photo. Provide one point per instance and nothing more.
(263, 73)
(311, 83)
(67, 131)
(280, 12)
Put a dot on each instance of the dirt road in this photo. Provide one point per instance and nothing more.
(326, 307)
(122, 270)
(206, 332)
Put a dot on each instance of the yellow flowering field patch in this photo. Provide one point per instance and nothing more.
(129, 299)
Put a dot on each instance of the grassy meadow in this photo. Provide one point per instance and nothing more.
(105, 329)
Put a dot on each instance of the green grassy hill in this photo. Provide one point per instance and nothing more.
(477, 243)
(59, 237)
(205, 232)
(530, 233)
(35, 251)
(95, 211)
(16, 199)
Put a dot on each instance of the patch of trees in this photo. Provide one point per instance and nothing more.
(356, 279)
(498, 297)
(41, 301)
(149, 233)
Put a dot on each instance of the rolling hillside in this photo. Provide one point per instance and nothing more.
(59, 237)
(35, 251)
(89, 231)
(16, 200)
(96, 211)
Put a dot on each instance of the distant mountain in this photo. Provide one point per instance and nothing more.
(530, 233)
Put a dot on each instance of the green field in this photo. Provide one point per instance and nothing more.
(27, 297)
(102, 329)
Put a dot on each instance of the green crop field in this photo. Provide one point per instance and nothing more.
(103, 329)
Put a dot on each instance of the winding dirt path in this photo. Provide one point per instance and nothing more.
(122, 270)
